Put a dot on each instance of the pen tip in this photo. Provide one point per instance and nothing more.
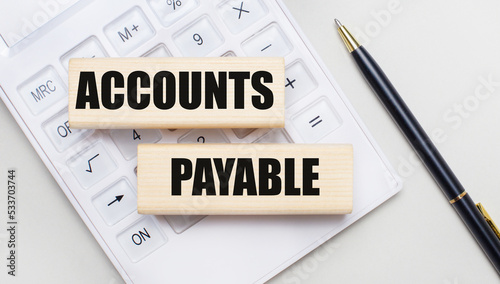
(338, 23)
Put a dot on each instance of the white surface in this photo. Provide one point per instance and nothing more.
(430, 52)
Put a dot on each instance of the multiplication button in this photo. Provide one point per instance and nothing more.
(127, 139)
(42, 90)
(316, 121)
(129, 31)
(199, 39)
(116, 202)
(61, 135)
(92, 165)
(141, 239)
(169, 11)
(298, 83)
(239, 15)
(269, 42)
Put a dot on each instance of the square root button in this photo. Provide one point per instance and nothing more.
(42, 90)
(92, 165)
(141, 239)
(116, 202)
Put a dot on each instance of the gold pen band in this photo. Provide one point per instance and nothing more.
(458, 197)
(350, 42)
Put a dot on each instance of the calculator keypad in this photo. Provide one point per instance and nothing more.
(204, 136)
(105, 172)
(270, 42)
(116, 202)
(61, 134)
(158, 51)
(129, 31)
(298, 83)
(141, 239)
(199, 39)
(89, 48)
(42, 90)
(239, 15)
(127, 139)
(316, 121)
(93, 165)
(169, 11)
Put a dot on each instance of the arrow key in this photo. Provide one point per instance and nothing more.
(116, 202)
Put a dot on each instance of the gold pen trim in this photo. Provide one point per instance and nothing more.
(488, 219)
(458, 197)
(350, 42)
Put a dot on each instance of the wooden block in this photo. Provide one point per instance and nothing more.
(216, 92)
(244, 179)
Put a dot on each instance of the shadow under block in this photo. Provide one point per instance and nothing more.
(244, 179)
(164, 93)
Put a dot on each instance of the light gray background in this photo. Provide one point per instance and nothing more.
(435, 53)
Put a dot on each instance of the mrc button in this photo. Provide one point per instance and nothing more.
(42, 90)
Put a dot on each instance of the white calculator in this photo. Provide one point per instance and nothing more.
(96, 169)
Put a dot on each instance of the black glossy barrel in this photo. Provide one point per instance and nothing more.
(429, 155)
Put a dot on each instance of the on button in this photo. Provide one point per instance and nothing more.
(141, 239)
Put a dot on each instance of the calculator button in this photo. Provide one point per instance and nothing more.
(229, 54)
(180, 223)
(275, 136)
(127, 139)
(243, 132)
(169, 11)
(89, 48)
(42, 90)
(269, 42)
(92, 165)
(158, 51)
(239, 15)
(199, 39)
(204, 136)
(141, 239)
(298, 83)
(61, 135)
(116, 202)
(129, 31)
(316, 121)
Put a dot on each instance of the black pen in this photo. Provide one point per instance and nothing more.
(475, 218)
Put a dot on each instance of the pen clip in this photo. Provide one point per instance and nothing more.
(488, 219)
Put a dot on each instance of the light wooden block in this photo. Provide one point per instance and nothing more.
(165, 186)
(171, 112)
